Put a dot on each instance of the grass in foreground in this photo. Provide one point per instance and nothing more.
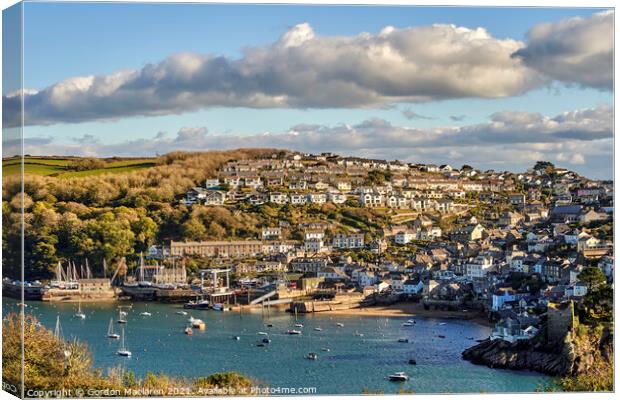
(51, 364)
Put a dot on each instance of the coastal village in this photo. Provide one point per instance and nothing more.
(449, 241)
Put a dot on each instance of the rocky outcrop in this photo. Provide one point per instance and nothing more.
(580, 352)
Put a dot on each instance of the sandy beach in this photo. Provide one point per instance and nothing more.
(412, 310)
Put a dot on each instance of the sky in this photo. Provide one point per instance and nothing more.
(491, 87)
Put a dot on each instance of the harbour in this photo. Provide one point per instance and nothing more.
(363, 350)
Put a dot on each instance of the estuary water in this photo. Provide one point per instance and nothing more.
(363, 352)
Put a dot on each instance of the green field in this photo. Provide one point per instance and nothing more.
(57, 167)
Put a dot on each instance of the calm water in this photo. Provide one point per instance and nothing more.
(354, 363)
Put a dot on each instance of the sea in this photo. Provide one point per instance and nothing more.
(362, 352)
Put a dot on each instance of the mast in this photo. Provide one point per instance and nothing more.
(104, 268)
(88, 273)
(57, 330)
(59, 272)
(141, 268)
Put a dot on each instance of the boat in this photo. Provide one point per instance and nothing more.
(318, 329)
(266, 340)
(219, 307)
(122, 350)
(412, 361)
(236, 338)
(403, 340)
(145, 314)
(111, 333)
(260, 345)
(407, 324)
(411, 321)
(293, 332)
(269, 325)
(442, 323)
(79, 314)
(299, 325)
(339, 324)
(263, 333)
(199, 324)
(358, 334)
(188, 331)
(441, 336)
(181, 312)
(326, 349)
(312, 356)
(398, 377)
(121, 317)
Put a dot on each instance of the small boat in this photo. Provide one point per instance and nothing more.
(299, 325)
(121, 317)
(260, 345)
(219, 307)
(266, 340)
(339, 324)
(199, 324)
(189, 331)
(326, 349)
(293, 332)
(318, 329)
(398, 377)
(442, 323)
(263, 333)
(403, 340)
(411, 321)
(122, 350)
(412, 361)
(79, 314)
(236, 338)
(407, 324)
(145, 314)
(358, 334)
(470, 338)
(111, 333)
(312, 356)
(269, 325)
(181, 312)
(441, 336)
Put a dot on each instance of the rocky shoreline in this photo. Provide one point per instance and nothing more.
(577, 354)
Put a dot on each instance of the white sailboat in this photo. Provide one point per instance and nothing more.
(58, 335)
(79, 314)
(111, 333)
(122, 350)
(121, 317)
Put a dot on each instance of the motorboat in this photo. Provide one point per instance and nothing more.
(398, 377)
(236, 338)
(407, 324)
(312, 356)
(146, 314)
(293, 332)
(299, 325)
(181, 312)
(412, 361)
(263, 333)
(339, 324)
(266, 340)
(189, 331)
(318, 329)
(403, 340)
(326, 349)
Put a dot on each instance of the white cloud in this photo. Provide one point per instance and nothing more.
(577, 50)
(509, 140)
(301, 70)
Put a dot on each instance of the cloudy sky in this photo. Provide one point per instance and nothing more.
(494, 88)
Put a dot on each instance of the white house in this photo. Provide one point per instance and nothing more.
(478, 267)
(278, 198)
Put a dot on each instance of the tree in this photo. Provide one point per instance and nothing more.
(592, 277)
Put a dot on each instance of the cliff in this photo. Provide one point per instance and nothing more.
(584, 351)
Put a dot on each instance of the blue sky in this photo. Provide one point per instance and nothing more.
(68, 40)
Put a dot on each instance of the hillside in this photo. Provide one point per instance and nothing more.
(64, 167)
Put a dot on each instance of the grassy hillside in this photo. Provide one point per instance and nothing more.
(60, 167)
